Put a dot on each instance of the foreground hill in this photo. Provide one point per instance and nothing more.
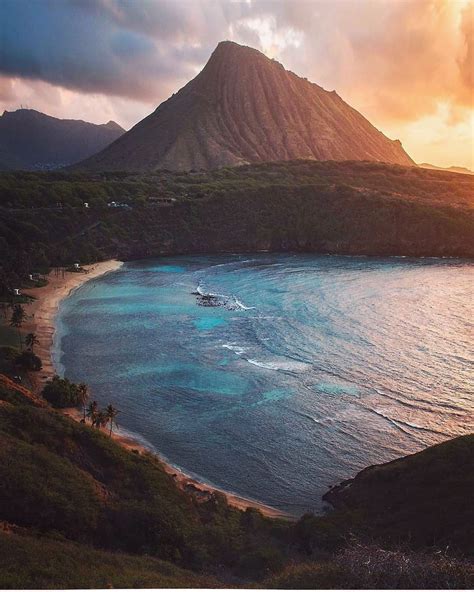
(32, 140)
(244, 108)
(103, 516)
(412, 498)
(348, 208)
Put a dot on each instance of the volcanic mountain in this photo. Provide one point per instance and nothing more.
(245, 108)
(32, 140)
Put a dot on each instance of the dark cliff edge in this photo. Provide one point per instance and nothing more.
(425, 499)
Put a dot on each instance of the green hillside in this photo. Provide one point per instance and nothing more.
(338, 207)
(32, 561)
(426, 498)
(78, 510)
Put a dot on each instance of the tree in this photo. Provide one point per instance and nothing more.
(18, 318)
(100, 420)
(111, 413)
(92, 410)
(61, 392)
(83, 397)
(31, 340)
(29, 361)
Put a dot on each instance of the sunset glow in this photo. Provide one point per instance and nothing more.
(407, 65)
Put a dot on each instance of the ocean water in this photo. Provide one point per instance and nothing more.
(313, 367)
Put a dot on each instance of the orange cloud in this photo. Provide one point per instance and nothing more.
(405, 64)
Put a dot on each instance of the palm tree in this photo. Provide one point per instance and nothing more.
(18, 318)
(111, 413)
(92, 410)
(31, 340)
(100, 420)
(83, 392)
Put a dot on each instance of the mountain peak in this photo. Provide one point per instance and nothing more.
(113, 125)
(244, 107)
(233, 48)
(230, 51)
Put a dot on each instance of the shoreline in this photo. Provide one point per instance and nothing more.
(43, 310)
(183, 481)
(42, 322)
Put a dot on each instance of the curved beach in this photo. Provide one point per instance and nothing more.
(43, 310)
(42, 316)
(281, 401)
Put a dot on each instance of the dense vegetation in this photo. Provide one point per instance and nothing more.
(71, 498)
(78, 510)
(62, 393)
(340, 207)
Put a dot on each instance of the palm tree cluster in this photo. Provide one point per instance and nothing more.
(99, 418)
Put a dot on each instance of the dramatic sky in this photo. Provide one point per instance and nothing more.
(407, 65)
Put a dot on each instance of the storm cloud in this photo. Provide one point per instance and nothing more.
(397, 61)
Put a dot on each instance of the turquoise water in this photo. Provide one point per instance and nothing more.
(314, 367)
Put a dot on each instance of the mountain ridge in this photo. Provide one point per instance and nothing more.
(245, 108)
(32, 140)
(451, 169)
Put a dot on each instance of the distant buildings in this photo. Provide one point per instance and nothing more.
(161, 201)
(117, 204)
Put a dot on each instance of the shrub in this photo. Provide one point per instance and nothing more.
(29, 361)
(8, 353)
(369, 567)
(61, 393)
(261, 562)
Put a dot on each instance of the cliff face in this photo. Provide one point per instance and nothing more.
(32, 140)
(244, 108)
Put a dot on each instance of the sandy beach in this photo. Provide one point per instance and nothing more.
(42, 314)
(42, 311)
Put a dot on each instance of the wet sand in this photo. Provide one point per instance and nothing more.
(42, 313)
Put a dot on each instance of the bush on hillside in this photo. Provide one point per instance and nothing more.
(8, 352)
(61, 393)
(29, 361)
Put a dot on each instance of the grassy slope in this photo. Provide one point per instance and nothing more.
(63, 478)
(425, 499)
(369, 567)
(42, 562)
(80, 511)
